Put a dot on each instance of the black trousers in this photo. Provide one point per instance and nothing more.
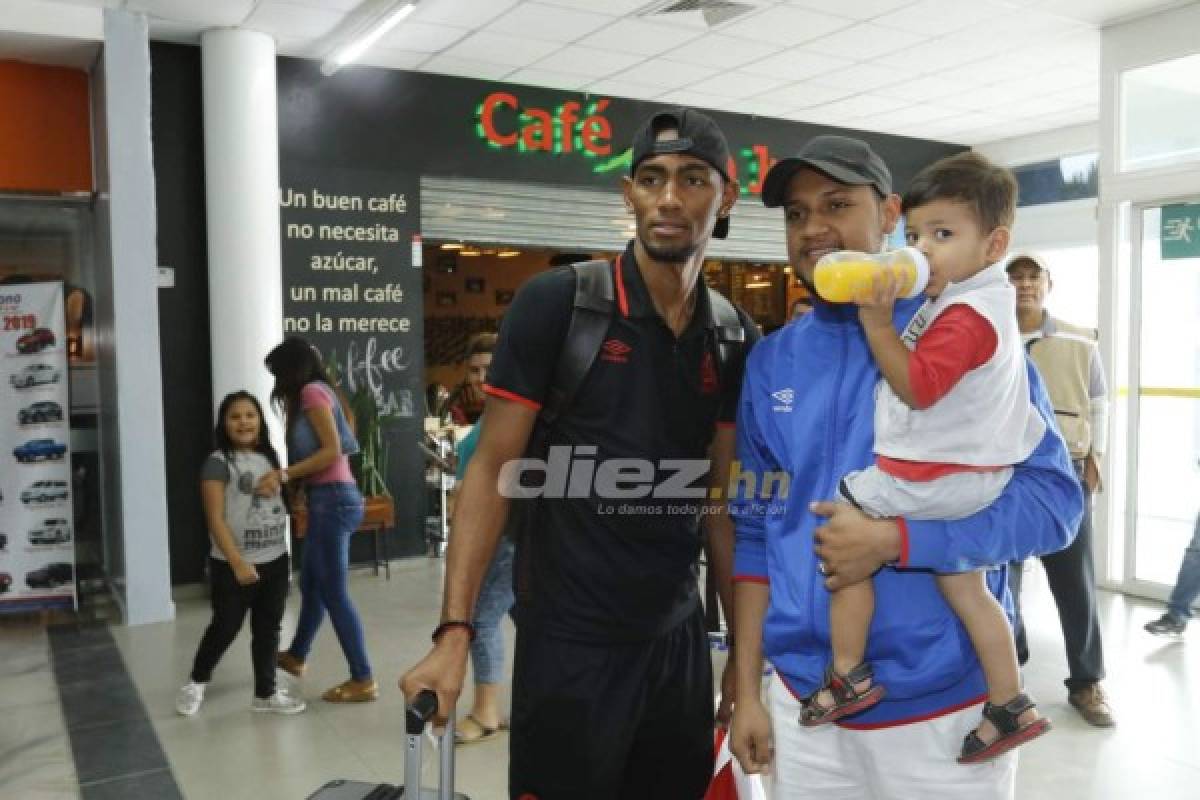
(1072, 577)
(230, 601)
(596, 721)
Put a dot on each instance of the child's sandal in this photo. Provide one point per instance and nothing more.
(847, 699)
(1011, 732)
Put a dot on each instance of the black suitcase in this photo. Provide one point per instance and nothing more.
(416, 716)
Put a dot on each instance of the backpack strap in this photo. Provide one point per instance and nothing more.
(729, 333)
(591, 314)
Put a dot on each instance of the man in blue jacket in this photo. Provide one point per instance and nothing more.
(805, 420)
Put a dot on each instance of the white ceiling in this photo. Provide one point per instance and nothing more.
(968, 71)
(76, 53)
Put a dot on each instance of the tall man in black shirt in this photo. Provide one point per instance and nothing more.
(612, 684)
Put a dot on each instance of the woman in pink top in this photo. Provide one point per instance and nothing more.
(320, 438)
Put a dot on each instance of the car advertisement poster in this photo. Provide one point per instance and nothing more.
(37, 547)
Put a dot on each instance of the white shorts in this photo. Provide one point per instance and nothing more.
(953, 496)
(906, 762)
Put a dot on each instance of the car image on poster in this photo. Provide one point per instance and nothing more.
(37, 553)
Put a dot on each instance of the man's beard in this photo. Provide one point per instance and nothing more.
(665, 253)
(670, 254)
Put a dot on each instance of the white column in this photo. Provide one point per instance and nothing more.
(241, 166)
(130, 362)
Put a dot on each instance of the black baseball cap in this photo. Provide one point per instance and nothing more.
(699, 136)
(846, 160)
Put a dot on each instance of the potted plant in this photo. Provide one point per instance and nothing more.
(370, 464)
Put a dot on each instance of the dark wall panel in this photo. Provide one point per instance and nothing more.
(178, 134)
(369, 118)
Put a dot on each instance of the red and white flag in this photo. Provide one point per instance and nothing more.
(729, 781)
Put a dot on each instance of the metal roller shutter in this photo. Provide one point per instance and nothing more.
(534, 215)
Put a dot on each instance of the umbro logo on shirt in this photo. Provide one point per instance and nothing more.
(784, 398)
(616, 351)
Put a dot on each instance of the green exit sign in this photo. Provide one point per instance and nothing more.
(1180, 232)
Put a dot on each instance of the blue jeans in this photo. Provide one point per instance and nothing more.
(495, 600)
(334, 511)
(1187, 585)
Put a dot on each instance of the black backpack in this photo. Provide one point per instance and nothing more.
(591, 315)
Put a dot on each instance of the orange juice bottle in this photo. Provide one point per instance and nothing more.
(845, 276)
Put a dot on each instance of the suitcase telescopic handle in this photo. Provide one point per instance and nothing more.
(420, 711)
(417, 715)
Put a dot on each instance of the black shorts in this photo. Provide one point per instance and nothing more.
(612, 720)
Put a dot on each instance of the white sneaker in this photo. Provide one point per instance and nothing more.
(188, 701)
(279, 703)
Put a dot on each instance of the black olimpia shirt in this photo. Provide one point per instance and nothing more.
(613, 544)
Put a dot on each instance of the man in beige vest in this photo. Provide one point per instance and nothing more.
(1069, 361)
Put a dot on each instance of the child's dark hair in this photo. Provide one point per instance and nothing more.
(295, 363)
(221, 438)
(989, 190)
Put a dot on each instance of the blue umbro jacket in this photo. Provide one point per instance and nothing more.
(807, 410)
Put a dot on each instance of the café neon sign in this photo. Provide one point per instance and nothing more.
(575, 129)
(570, 128)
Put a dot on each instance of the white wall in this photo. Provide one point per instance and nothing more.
(1056, 225)
(67, 20)
(1042, 146)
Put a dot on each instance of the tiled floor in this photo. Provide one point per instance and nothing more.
(115, 749)
(1154, 687)
(35, 753)
(227, 753)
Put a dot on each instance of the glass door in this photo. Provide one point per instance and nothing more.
(1163, 404)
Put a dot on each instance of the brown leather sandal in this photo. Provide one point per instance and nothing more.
(353, 691)
(289, 664)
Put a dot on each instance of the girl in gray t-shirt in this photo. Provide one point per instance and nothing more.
(248, 561)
